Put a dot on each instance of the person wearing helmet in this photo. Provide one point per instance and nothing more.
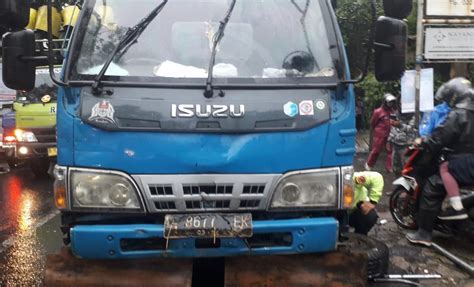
(380, 124)
(456, 134)
(368, 187)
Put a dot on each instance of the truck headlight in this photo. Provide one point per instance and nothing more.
(25, 136)
(307, 189)
(91, 189)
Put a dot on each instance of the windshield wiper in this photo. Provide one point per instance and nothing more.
(209, 91)
(125, 43)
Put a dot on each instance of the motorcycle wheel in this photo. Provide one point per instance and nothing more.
(402, 209)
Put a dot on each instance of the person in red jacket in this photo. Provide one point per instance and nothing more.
(380, 124)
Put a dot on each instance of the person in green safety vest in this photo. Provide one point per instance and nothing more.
(368, 187)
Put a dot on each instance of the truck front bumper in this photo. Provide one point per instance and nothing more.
(34, 150)
(308, 235)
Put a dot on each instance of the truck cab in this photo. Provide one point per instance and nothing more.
(32, 138)
(160, 169)
(205, 128)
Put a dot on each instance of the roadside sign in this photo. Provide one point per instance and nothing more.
(450, 8)
(426, 91)
(449, 43)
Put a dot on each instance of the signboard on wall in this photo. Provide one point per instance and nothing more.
(409, 90)
(449, 43)
(450, 8)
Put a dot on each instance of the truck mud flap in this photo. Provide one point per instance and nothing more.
(66, 270)
(330, 269)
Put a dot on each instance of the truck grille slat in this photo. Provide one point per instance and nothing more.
(165, 205)
(196, 189)
(198, 193)
(44, 135)
(254, 188)
(160, 189)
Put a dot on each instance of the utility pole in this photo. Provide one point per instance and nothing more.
(419, 58)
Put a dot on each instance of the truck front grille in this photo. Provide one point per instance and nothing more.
(201, 193)
(44, 135)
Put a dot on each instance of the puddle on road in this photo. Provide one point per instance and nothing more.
(24, 260)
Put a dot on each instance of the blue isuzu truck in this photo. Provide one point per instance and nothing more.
(205, 128)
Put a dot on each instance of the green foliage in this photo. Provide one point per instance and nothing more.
(354, 19)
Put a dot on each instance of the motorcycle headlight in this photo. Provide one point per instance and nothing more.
(308, 189)
(103, 190)
(25, 136)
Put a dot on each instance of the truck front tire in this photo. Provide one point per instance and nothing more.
(377, 252)
(40, 166)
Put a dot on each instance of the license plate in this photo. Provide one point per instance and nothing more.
(208, 225)
(52, 151)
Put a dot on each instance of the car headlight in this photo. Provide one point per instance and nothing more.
(25, 136)
(91, 189)
(308, 189)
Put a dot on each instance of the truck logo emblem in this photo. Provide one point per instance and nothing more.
(306, 108)
(207, 111)
(290, 109)
(103, 112)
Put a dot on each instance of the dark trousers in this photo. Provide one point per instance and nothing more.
(363, 223)
(359, 122)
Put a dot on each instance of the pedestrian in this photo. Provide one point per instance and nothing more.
(402, 135)
(380, 125)
(360, 109)
(368, 187)
(456, 134)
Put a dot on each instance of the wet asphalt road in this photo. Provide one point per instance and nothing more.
(28, 227)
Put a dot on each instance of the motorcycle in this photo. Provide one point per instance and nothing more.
(404, 200)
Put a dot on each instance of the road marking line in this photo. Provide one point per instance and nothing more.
(11, 240)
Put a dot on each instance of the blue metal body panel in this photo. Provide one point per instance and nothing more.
(134, 152)
(310, 235)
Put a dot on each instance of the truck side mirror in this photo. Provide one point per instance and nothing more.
(14, 14)
(18, 49)
(390, 49)
(398, 9)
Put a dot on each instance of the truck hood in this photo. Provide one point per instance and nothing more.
(160, 153)
(138, 133)
(35, 115)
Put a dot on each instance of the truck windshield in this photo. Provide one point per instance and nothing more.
(45, 90)
(265, 39)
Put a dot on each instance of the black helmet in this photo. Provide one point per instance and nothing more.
(452, 92)
(466, 101)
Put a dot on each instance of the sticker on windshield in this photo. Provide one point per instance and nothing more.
(290, 109)
(103, 112)
(320, 105)
(46, 99)
(306, 108)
